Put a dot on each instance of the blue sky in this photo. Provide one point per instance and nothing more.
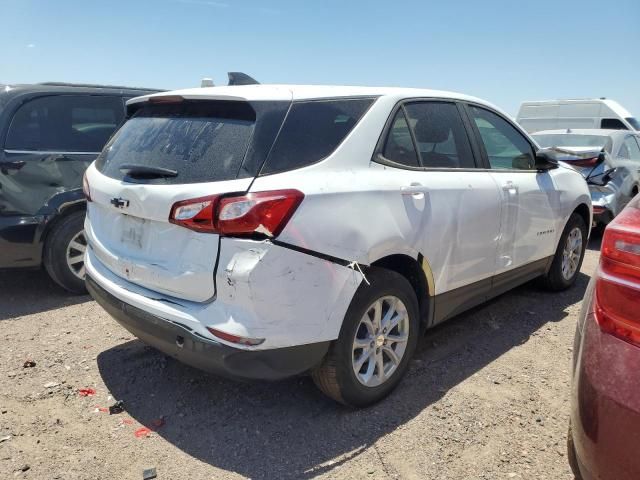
(503, 51)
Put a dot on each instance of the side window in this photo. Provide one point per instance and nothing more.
(612, 124)
(440, 135)
(399, 146)
(632, 149)
(312, 131)
(506, 147)
(65, 123)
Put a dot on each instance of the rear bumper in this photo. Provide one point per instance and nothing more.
(187, 346)
(605, 404)
(19, 241)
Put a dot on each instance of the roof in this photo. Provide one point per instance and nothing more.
(584, 131)
(303, 92)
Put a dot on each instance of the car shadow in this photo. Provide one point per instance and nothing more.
(288, 429)
(25, 292)
(595, 240)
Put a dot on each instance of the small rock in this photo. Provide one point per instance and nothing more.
(149, 473)
(4, 439)
(51, 384)
(24, 468)
(29, 364)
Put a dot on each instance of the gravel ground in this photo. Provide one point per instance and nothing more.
(486, 397)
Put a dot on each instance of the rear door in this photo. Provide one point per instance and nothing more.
(210, 148)
(49, 143)
(530, 200)
(459, 203)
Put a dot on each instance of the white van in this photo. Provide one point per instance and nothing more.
(583, 113)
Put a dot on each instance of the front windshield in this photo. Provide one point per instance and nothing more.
(573, 140)
(634, 122)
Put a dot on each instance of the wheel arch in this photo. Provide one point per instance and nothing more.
(419, 275)
(585, 212)
(63, 212)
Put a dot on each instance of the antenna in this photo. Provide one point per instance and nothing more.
(239, 78)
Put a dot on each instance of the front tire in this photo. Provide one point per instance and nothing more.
(64, 253)
(569, 255)
(377, 340)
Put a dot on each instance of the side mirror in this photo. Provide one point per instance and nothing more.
(545, 161)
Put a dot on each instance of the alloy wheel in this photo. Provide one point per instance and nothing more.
(380, 341)
(75, 254)
(571, 253)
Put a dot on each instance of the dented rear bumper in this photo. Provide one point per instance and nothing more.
(287, 297)
(187, 346)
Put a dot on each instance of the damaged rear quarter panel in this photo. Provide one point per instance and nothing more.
(287, 297)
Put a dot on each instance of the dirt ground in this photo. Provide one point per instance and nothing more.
(487, 397)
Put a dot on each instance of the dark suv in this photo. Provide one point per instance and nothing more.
(50, 133)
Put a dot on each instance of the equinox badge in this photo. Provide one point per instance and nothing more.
(119, 202)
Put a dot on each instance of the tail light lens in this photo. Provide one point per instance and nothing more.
(586, 162)
(617, 288)
(251, 342)
(264, 213)
(85, 187)
(195, 214)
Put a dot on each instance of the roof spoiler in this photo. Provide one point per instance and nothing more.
(239, 78)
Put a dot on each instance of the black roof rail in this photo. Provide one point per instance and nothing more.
(239, 78)
(94, 85)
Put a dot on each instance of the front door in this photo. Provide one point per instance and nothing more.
(530, 201)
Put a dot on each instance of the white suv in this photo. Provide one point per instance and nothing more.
(266, 231)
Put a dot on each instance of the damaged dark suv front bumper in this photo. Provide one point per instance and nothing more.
(189, 347)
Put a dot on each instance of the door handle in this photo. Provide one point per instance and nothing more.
(415, 190)
(510, 188)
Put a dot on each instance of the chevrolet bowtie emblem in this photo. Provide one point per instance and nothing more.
(119, 202)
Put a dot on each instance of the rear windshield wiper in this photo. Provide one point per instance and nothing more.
(146, 171)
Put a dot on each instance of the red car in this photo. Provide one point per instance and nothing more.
(604, 433)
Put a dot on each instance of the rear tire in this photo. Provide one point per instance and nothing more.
(64, 253)
(372, 340)
(569, 255)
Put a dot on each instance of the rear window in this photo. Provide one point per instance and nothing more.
(202, 141)
(312, 131)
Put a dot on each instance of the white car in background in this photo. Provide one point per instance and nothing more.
(588, 113)
(608, 159)
(267, 231)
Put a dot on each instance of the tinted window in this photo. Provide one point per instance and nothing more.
(399, 146)
(202, 141)
(612, 124)
(65, 123)
(506, 147)
(440, 135)
(312, 131)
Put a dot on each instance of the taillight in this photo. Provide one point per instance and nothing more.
(85, 187)
(617, 290)
(586, 162)
(251, 342)
(263, 213)
(196, 214)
